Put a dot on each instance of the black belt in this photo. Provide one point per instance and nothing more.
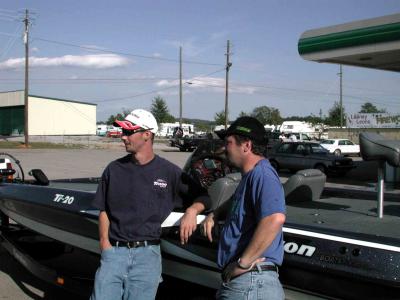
(265, 268)
(273, 268)
(134, 244)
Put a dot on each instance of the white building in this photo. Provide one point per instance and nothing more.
(46, 116)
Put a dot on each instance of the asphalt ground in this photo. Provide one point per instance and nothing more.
(17, 283)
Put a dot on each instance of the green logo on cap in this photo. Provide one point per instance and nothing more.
(241, 128)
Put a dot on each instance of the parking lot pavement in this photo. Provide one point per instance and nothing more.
(78, 163)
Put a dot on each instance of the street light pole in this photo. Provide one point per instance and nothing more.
(228, 65)
(180, 87)
(26, 92)
(341, 97)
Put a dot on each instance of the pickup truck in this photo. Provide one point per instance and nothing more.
(187, 143)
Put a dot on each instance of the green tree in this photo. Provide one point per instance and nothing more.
(219, 118)
(267, 115)
(333, 118)
(160, 111)
(368, 107)
(118, 116)
(111, 119)
(243, 114)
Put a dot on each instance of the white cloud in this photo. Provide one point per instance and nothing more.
(189, 47)
(35, 49)
(193, 46)
(95, 61)
(210, 83)
(156, 54)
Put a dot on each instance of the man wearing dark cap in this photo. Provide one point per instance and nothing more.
(135, 195)
(251, 242)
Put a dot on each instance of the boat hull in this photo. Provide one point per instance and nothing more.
(317, 261)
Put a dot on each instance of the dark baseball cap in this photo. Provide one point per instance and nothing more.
(248, 127)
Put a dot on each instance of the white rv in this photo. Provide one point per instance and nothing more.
(167, 129)
(101, 130)
(296, 126)
(313, 131)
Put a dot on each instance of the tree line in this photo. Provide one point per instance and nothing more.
(265, 114)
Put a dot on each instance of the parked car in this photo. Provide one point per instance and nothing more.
(308, 155)
(298, 136)
(341, 146)
(114, 132)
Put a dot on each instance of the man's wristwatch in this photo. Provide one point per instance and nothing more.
(243, 267)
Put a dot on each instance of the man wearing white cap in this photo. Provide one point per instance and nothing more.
(135, 195)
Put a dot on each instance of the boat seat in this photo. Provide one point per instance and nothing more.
(40, 177)
(374, 146)
(305, 185)
(222, 189)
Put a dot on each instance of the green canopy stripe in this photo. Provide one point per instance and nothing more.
(350, 38)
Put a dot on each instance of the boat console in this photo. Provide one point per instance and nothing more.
(305, 185)
(222, 189)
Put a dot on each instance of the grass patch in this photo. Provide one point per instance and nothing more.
(38, 145)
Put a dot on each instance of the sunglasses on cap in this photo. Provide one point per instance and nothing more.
(127, 132)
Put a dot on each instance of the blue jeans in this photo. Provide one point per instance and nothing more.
(255, 285)
(128, 273)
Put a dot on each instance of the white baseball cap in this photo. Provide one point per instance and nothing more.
(138, 118)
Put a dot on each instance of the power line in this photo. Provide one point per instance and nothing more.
(360, 99)
(138, 95)
(11, 42)
(94, 80)
(366, 89)
(5, 10)
(126, 53)
(158, 90)
(8, 34)
(307, 91)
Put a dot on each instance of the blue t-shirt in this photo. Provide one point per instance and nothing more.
(138, 198)
(259, 194)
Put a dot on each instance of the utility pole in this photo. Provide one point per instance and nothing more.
(26, 92)
(341, 97)
(228, 65)
(180, 86)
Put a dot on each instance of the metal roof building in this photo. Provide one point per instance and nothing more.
(46, 116)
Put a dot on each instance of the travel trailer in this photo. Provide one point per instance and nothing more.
(101, 130)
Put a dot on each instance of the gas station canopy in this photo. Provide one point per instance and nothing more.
(372, 43)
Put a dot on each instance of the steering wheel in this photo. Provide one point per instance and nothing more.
(207, 168)
(17, 162)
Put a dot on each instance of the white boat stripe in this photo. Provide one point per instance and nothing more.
(174, 220)
(341, 239)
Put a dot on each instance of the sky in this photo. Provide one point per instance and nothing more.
(121, 54)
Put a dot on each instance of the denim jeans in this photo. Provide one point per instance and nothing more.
(255, 285)
(128, 273)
